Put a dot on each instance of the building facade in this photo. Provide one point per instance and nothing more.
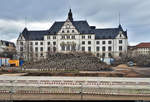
(72, 36)
(7, 49)
(142, 49)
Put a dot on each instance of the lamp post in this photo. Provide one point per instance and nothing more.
(81, 92)
(11, 91)
(5, 54)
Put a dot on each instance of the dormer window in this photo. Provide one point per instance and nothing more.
(120, 36)
(63, 31)
(72, 31)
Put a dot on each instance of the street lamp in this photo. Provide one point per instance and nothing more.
(11, 91)
(81, 92)
(5, 54)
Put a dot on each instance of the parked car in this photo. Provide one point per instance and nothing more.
(130, 63)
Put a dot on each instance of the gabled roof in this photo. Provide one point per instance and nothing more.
(143, 45)
(82, 27)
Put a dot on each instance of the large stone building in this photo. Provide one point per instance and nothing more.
(142, 49)
(69, 36)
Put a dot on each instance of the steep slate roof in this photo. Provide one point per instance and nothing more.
(143, 45)
(34, 35)
(109, 33)
(56, 27)
(82, 26)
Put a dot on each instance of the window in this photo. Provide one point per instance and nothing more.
(63, 37)
(41, 48)
(120, 54)
(89, 37)
(73, 47)
(21, 48)
(83, 37)
(31, 43)
(98, 55)
(103, 48)
(36, 55)
(68, 47)
(72, 31)
(97, 48)
(97, 42)
(41, 43)
(48, 43)
(68, 37)
(120, 41)
(54, 43)
(83, 48)
(103, 55)
(68, 31)
(49, 49)
(48, 37)
(103, 42)
(109, 54)
(63, 31)
(36, 43)
(120, 48)
(63, 48)
(42, 55)
(54, 37)
(109, 42)
(89, 42)
(54, 49)
(36, 49)
(109, 48)
(31, 48)
(89, 49)
(21, 43)
(73, 37)
(83, 42)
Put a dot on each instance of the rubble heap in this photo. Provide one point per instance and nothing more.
(69, 61)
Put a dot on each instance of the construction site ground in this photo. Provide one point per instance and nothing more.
(119, 71)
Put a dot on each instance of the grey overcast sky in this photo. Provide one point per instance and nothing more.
(41, 14)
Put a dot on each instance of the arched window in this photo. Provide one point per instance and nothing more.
(63, 47)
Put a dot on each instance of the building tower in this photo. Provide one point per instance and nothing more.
(70, 16)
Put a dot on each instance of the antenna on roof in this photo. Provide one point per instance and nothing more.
(69, 4)
(119, 18)
(25, 22)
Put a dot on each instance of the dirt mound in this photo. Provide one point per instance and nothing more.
(69, 61)
(122, 66)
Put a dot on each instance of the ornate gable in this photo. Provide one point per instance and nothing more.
(68, 28)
